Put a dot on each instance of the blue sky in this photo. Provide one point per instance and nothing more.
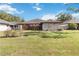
(30, 11)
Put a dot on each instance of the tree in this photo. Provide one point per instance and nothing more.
(22, 19)
(73, 8)
(64, 17)
(9, 17)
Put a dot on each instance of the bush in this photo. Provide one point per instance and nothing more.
(72, 26)
(11, 33)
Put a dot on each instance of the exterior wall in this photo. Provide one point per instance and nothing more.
(51, 26)
(14, 27)
(25, 26)
(65, 27)
(30, 26)
(4, 27)
(43, 26)
(20, 27)
(35, 26)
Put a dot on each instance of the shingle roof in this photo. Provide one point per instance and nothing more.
(35, 21)
(4, 22)
(52, 21)
(13, 23)
(43, 21)
(39, 21)
(7, 23)
(31, 21)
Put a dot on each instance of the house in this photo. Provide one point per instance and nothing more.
(37, 24)
(5, 25)
(46, 25)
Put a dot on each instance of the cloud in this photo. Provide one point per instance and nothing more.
(52, 16)
(76, 15)
(49, 16)
(66, 3)
(37, 7)
(37, 4)
(9, 9)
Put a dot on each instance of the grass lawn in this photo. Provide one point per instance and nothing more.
(42, 44)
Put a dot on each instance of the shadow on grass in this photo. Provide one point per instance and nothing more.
(8, 36)
(31, 33)
(47, 34)
(61, 32)
(53, 36)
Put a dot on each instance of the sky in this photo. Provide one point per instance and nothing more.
(44, 11)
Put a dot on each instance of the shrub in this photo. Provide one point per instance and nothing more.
(72, 26)
(11, 33)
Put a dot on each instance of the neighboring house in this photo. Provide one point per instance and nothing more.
(5, 25)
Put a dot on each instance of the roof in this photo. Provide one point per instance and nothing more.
(31, 21)
(40, 21)
(35, 21)
(52, 21)
(4, 22)
(7, 23)
(72, 21)
(43, 21)
(13, 23)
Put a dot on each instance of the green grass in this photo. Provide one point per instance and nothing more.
(37, 43)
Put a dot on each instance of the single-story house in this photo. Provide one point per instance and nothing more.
(49, 25)
(38, 24)
(5, 25)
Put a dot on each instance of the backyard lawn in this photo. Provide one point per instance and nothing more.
(39, 43)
